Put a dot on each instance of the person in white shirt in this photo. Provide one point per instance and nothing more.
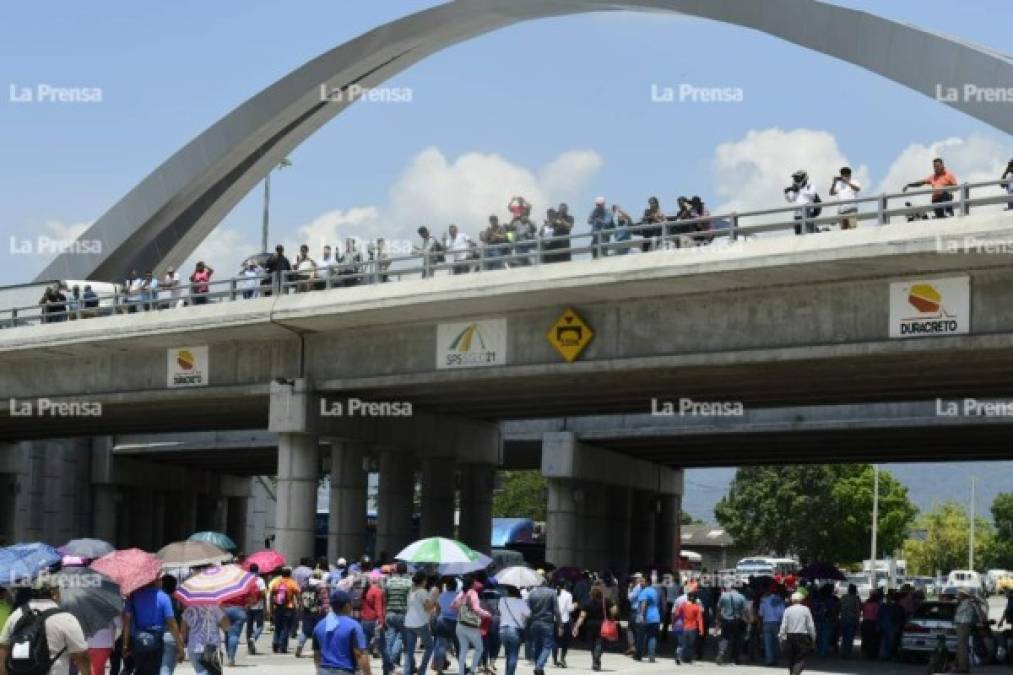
(802, 193)
(416, 625)
(844, 188)
(561, 645)
(459, 245)
(251, 279)
(170, 287)
(64, 635)
(513, 618)
(798, 631)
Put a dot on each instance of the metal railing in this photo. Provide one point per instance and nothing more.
(669, 234)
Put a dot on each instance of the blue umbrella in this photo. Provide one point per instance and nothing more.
(218, 539)
(21, 563)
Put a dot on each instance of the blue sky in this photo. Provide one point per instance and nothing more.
(513, 101)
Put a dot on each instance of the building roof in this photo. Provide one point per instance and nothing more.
(697, 536)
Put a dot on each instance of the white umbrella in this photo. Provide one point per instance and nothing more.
(519, 577)
(437, 551)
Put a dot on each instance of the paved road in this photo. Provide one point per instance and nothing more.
(580, 663)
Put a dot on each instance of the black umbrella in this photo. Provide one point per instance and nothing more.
(92, 597)
(820, 570)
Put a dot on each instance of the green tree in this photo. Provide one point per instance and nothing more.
(817, 512)
(687, 519)
(999, 554)
(942, 541)
(521, 495)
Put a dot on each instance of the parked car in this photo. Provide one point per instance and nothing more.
(930, 620)
(966, 579)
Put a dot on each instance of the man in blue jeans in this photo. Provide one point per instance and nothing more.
(542, 624)
(147, 615)
(647, 606)
(255, 613)
(771, 613)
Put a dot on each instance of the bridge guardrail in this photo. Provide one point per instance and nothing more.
(535, 251)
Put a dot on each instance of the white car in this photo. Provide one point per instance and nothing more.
(966, 579)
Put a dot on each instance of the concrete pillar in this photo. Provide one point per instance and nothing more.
(394, 528)
(475, 525)
(439, 484)
(104, 514)
(668, 531)
(642, 529)
(617, 527)
(561, 523)
(142, 510)
(346, 530)
(187, 521)
(158, 533)
(298, 476)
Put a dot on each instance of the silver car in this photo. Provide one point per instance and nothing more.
(922, 630)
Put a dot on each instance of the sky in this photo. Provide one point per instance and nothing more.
(556, 109)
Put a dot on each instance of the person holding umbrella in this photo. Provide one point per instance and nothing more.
(148, 614)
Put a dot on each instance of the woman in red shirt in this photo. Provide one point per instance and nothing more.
(200, 284)
(691, 614)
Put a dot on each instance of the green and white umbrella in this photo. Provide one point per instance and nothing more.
(437, 551)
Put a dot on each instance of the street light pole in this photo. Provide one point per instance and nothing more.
(267, 203)
(875, 525)
(970, 547)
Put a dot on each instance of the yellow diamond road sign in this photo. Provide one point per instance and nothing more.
(569, 335)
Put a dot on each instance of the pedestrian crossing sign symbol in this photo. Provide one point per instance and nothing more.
(569, 335)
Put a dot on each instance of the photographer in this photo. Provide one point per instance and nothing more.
(654, 216)
(802, 193)
(844, 188)
(601, 223)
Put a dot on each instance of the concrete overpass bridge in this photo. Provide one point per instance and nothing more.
(776, 325)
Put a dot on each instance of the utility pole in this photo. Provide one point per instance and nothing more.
(970, 547)
(875, 525)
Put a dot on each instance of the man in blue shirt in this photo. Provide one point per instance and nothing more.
(771, 613)
(731, 608)
(339, 643)
(148, 616)
(648, 605)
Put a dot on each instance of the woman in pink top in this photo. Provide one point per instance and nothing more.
(469, 621)
(200, 280)
(870, 625)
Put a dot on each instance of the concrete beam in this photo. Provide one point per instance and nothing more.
(565, 457)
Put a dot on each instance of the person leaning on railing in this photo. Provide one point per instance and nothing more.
(1008, 184)
(200, 283)
(939, 179)
(652, 225)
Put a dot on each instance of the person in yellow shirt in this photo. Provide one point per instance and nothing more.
(282, 596)
(5, 607)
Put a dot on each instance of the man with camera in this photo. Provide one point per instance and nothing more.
(844, 188)
(1008, 173)
(802, 193)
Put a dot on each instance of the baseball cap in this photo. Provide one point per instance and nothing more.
(599, 200)
(342, 562)
(797, 597)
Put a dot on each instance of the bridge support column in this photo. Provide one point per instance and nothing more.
(346, 532)
(298, 474)
(668, 541)
(394, 528)
(642, 529)
(475, 527)
(439, 483)
(561, 523)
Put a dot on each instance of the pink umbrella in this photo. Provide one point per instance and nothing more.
(131, 569)
(268, 561)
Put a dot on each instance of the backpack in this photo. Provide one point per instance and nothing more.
(309, 600)
(29, 649)
(280, 597)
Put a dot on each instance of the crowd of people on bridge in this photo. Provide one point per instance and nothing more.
(515, 241)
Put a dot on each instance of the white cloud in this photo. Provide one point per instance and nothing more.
(66, 231)
(752, 173)
(332, 227)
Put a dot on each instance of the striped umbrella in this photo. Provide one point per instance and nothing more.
(437, 551)
(217, 585)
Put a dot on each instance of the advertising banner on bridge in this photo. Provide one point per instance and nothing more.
(930, 307)
(187, 367)
(471, 344)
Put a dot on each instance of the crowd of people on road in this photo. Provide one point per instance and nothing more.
(414, 621)
(516, 241)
